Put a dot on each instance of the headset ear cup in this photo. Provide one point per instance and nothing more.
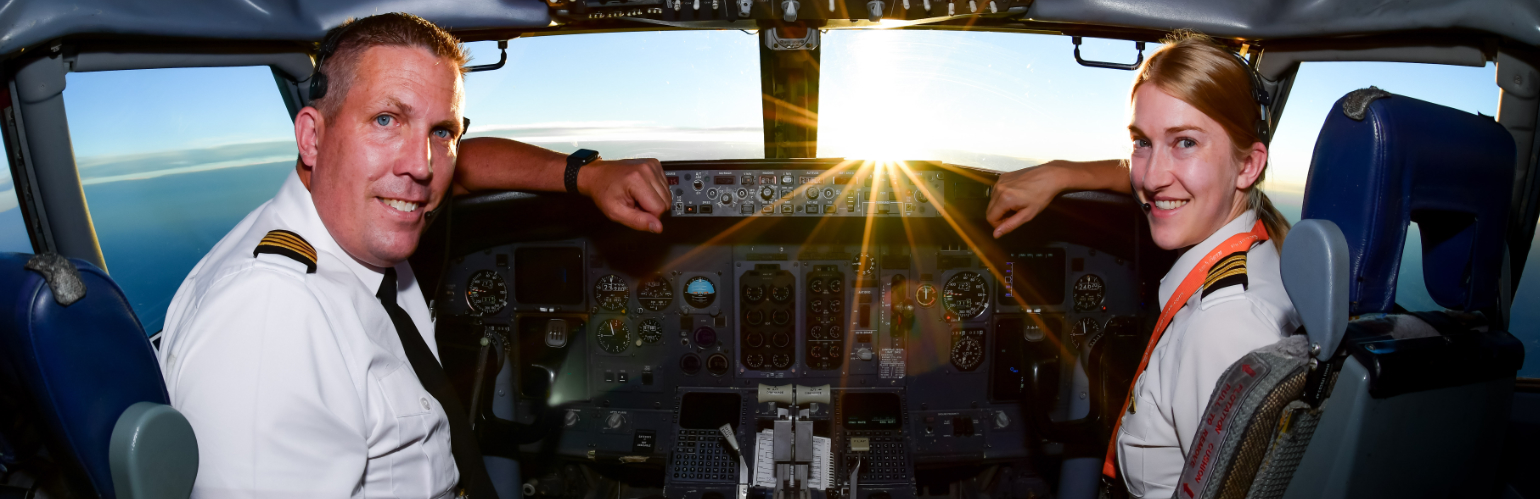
(317, 86)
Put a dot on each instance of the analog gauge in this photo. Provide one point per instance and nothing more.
(651, 331)
(753, 293)
(780, 360)
(755, 340)
(611, 292)
(755, 360)
(655, 294)
(613, 336)
(835, 350)
(1084, 329)
(865, 264)
(780, 293)
(487, 292)
(925, 295)
(1089, 292)
(699, 292)
(967, 353)
(965, 294)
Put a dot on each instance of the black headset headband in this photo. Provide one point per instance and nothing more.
(1259, 94)
(328, 47)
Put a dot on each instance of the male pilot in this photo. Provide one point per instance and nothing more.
(301, 348)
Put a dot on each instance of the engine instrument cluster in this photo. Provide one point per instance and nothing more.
(641, 347)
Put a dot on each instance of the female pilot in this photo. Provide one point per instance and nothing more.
(1197, 159)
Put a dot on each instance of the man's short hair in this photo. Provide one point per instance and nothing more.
(394, 29)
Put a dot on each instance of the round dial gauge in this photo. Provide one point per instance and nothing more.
(1084, 329)
(754, 360)
(611, 292)
(753, 293)
(650, 330)
(1089, 292)
(965, 294)
(699, 292)
(613, 336)
(486, 292)
(865, 264)
(780, 360)
(925, 295)
(967, 353)
(655, 294)
(780, 293)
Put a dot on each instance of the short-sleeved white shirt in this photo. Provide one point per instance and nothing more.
(1205, 337)
(296, 383)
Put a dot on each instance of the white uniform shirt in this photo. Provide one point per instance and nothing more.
(1204, 338)
(296, 384)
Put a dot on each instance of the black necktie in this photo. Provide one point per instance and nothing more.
(462, 441)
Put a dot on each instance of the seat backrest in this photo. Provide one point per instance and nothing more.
(76, 361)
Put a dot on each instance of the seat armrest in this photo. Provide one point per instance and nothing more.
(153, 453)
(1315, 274)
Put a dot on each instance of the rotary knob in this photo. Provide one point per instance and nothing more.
(767, 193)
(1002, 420)
(571, 419)
(614, 421)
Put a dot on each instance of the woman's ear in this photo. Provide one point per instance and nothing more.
(1252, 166)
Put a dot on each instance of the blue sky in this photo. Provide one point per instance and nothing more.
(993, 100)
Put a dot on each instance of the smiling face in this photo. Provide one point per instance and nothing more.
(1184, 164)
(387, 156)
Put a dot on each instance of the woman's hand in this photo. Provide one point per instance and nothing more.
(1020, 195)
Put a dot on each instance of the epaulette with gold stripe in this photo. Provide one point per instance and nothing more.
(1229, 271)
(289, 244)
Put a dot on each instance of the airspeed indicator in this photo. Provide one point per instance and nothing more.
(965, 294)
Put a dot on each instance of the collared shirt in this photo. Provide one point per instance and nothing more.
(1204, 338)
(296, 383)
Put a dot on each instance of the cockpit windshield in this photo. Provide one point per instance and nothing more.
(671, 95)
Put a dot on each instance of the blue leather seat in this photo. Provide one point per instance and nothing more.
(84, 374)
(1420, 399)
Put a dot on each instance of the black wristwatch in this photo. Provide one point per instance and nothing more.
(576, 161)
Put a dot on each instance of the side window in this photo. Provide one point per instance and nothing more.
(170, 161)
(13, 230)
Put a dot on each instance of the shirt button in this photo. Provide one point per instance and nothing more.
(424, 401)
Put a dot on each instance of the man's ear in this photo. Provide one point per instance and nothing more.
(308, 125)
(1252, 166)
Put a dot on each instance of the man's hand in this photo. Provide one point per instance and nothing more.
(1020, 195)
(630, 191)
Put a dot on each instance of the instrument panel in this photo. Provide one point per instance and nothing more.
(635, 348)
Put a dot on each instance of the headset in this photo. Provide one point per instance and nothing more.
(328, 47)
(1258, 93)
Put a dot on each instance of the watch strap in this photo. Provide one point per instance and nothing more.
(575, 162)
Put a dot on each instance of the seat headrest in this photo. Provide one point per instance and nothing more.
(1314, 266)
(1386, 160)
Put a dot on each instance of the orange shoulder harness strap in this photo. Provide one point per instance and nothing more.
(1191, 284)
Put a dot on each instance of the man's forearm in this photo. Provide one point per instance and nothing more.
(491, 163)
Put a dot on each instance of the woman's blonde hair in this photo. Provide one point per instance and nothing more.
(1193, 68)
